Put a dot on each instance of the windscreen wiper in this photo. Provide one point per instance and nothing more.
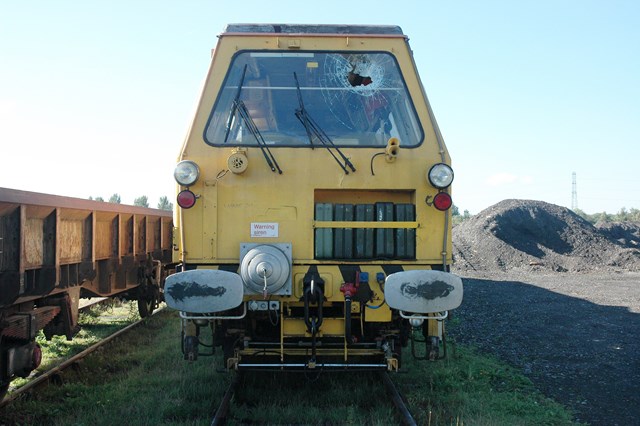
(314, 130)
(251, 125)
(234, 105)
(239, 106)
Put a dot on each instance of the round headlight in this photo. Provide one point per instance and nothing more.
(186, 173)
(440, 175)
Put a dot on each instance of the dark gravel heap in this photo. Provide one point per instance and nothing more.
(626, 234)
(531, 236)
(558, 298)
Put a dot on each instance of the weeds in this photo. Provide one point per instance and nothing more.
(142, 379)
(97, 323)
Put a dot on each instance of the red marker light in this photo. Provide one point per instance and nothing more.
(442, 201)
(186, 199)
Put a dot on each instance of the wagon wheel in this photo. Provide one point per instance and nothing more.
(148, 290)
(147, 300)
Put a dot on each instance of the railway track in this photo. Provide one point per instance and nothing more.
(55, 372)
(224, 408)
(398, 401)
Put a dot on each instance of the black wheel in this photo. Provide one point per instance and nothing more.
(146, 302)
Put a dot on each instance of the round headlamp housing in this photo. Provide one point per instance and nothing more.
(440, 175)
(186, 173)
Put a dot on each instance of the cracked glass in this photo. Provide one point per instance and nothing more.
(356, 99)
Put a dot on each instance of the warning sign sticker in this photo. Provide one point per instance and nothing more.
(264, 230)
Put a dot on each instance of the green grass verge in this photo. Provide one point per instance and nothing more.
(97, 323)
(141, 379)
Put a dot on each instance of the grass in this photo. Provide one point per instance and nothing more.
(98, 322)
(473, 389)
(141, 379)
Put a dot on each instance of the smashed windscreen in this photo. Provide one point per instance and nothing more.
(355, 99)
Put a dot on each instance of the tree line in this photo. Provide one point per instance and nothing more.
(142, 201)
(623, 215)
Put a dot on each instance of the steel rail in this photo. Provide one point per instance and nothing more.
(398, 401)
(222, 412)
(69, 362)
(220, 417)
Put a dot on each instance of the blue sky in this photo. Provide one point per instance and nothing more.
(95, 97)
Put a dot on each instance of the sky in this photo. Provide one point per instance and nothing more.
(96, 96)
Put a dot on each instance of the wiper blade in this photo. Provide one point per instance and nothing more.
(251, 125)
(238, 106)
(301, 113)
(314, 130)
(234, 105)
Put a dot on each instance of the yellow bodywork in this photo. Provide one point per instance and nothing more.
(227, 205)
(210, 233)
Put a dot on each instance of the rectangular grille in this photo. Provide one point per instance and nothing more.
(365, 243)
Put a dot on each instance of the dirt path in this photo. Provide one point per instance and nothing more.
(576, 336)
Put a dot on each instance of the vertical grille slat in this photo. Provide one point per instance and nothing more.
(384, 246)
(364, 236)
(324, 236)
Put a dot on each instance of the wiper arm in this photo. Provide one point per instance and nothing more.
(234, 105)
(301, 113)
(313, 129)
(238, 106)
(251, 125)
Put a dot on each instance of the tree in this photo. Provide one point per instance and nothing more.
(141, 201)
(115, 198)
(165, 204)
(99, 199)
(601, 217)
(457, 217)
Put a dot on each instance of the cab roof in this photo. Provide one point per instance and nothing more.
(314, 29)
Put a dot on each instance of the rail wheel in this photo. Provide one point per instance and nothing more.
(147, 301)
(149, 278)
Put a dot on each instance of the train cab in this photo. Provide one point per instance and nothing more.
(313, 217)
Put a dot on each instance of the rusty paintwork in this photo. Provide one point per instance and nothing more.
(49, 243)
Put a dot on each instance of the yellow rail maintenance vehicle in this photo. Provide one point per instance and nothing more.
(313, 219)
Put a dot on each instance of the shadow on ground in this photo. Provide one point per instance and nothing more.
(582, 354)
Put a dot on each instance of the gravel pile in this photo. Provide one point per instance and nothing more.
(534, 236)
(626, 234)
(558, 298)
